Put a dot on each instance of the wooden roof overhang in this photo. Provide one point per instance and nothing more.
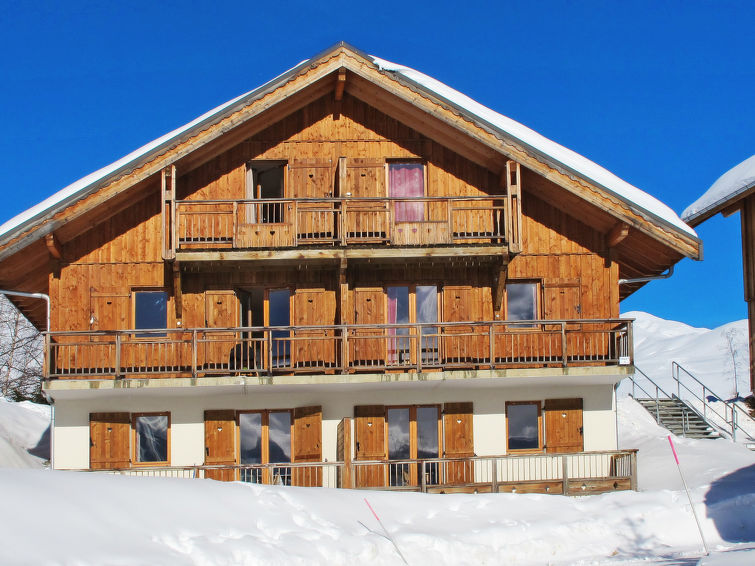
(649, 246)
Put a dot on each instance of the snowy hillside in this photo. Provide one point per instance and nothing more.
(122, 520)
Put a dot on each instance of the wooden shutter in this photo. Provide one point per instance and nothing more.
(313, 178)
(314, 347)
(109, 440)
(220, 443)
(343, 453)
(369, 308)
(562, 300)
(458, 442)
(563, 425)
(221, 311)
(307, 445)
(369, 424)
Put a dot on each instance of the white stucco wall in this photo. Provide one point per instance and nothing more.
(71, 445)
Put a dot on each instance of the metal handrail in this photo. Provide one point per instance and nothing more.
(658, 390)
(731, 407)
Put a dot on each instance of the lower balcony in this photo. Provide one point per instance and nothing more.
(344, 349)
(581, 473)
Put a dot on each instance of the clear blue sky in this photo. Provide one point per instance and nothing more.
(660, 93)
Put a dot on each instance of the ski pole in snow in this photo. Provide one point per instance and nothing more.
(694, 513)
(390, 538)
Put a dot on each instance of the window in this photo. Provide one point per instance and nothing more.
(523, 426)
(521, 301)
(413, 433)
(412, 304)
(265, 437)
(150, 312)
(279, 303)
(407, 181)
(151, 434)
(264, 181)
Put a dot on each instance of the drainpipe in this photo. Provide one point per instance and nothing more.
(666, 275)
(49, 399)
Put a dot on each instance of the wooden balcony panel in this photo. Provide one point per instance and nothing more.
(293, 350)
(287, 223)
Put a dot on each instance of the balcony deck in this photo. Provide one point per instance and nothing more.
(337, 349)
(202, 225)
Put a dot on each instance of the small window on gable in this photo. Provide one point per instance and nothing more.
(264, 182)
(151, 438)
(150, 311)
(407, 181)
(521, 301)
(523, 427)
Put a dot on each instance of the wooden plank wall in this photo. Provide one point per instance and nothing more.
(124, 251)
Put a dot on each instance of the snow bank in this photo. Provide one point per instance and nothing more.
(734, 182)
(24, 434)
(570, 159)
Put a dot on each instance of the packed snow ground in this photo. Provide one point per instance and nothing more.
(82, 519)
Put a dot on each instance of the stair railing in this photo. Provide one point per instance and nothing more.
(658, 391)
(732, 411)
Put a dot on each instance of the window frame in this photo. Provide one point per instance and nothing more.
(540, 440)
(413, 434)
(406, 161)
(267, 470)
(134, 330)
(412, 307)
(538, 303)
(253, 169)
(135, 462)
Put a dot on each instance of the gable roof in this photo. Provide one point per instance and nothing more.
(732, 186)
(551, 152)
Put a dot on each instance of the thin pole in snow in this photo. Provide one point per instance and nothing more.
(694, 513)
(390, 538)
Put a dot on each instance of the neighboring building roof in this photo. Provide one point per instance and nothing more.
(570, 160)
(733, 185)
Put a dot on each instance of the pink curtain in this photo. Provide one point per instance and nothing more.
(406, 181)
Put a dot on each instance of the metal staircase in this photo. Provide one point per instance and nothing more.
(678, 417)
(714, 418)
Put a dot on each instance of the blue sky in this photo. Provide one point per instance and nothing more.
(660, 93)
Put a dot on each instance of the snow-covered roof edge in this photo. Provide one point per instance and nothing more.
(641, 201)
(728, 187)
(571, 160)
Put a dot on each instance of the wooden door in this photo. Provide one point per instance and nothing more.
(369, 429)
(562, 301)
(365, 221)
(108, 312)
(369, 308)
(343, 453)
(563, 425)
(220, 443)
(458, 442)
(462, 303)
(109, 440)
(307, 447)
(221, 311)
(313, 179)
(314, 347)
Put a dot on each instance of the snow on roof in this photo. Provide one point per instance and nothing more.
(570, 159)
(730, 185)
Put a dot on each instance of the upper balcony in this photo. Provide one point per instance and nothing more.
(226, 225)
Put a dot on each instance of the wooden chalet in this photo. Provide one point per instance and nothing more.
(734, 192)
(351, 276)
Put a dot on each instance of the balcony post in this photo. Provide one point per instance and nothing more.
(494, 476)
(565, 473)
(630, 341)
(47, 356)
(344, 349)
(235, 225)
(194, 353)
(491, 335)
(633, 470)
(423, 477)
(269, 352)
(419, 348)
(117, 368)
(564, 353)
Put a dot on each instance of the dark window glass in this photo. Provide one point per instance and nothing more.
(280, 315)
(150, 311)
(152, 438)
(427, 432)
(523, 427)
(250, 429)
(427, 311)
(521, 301)
(280, 437)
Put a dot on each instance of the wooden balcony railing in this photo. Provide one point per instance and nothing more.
(579, 473)
(338, 349)
(249, 224)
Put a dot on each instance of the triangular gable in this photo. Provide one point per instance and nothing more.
(395, 90)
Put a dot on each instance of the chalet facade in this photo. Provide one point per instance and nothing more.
(734, 192)
(351, 276)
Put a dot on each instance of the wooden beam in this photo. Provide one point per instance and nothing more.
(53, 246)
(731, 209)
(499, 284)
(617, 234)
(177, 291)
(340, 84)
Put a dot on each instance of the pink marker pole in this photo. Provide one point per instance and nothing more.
(387, 534)
(694, 513)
